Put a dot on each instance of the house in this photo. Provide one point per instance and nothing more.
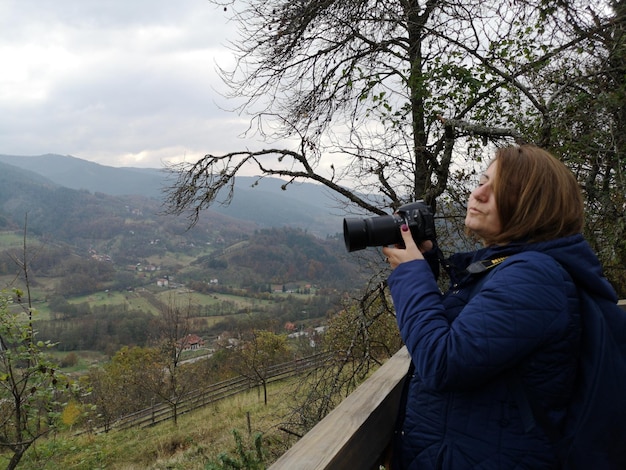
(191, 342)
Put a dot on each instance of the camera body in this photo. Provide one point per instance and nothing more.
(385, 230)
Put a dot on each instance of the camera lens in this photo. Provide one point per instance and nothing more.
(375, 231)
(354, 234)
(385, 230)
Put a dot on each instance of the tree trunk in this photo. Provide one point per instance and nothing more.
(421, 181)
(17, 456)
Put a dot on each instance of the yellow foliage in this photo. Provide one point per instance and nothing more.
(71, 413)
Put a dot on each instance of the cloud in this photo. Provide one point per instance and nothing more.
(123, 83)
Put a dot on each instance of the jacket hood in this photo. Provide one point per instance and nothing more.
(573, 253)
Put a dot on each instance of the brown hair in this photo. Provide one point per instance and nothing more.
(538, 197)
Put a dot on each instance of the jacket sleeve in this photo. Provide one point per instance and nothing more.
(520, 307)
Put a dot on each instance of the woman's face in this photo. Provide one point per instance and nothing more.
(482, 211)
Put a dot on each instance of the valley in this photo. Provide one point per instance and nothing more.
(102, 267)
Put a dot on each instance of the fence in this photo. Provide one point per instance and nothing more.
(160, 412)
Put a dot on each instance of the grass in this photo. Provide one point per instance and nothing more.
(129, 300)
(85, 359)
(12, 239)
(197, 298)
(135, 300)
(198, 438)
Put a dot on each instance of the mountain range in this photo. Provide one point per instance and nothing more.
(258, 200)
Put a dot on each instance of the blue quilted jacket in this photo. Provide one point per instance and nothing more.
(471, 347)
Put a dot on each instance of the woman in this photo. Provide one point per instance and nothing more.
(509, 324)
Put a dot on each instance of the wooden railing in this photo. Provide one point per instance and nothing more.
(357, 432)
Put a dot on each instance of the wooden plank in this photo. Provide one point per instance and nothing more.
(356, 433)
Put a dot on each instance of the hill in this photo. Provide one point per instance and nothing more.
(129, 229)
(106, 270)
(94, 256)
(262, 201)
(102, 267)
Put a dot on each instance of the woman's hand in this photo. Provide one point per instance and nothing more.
(396, 255)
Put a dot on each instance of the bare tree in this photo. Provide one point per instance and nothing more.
(255, 355)
(384, 102)
(364, 329)
(174, 326)
(587, 127)
(388, 101)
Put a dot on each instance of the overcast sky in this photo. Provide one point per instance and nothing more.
(117, 82)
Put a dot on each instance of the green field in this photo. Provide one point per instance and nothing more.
(16, 239)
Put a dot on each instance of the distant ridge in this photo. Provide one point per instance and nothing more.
(75, 173)
(304, 205)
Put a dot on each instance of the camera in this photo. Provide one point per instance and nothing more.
(385, 230)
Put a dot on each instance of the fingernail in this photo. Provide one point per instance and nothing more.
(404, 228)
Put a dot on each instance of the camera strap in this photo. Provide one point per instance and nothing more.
(484, 265)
